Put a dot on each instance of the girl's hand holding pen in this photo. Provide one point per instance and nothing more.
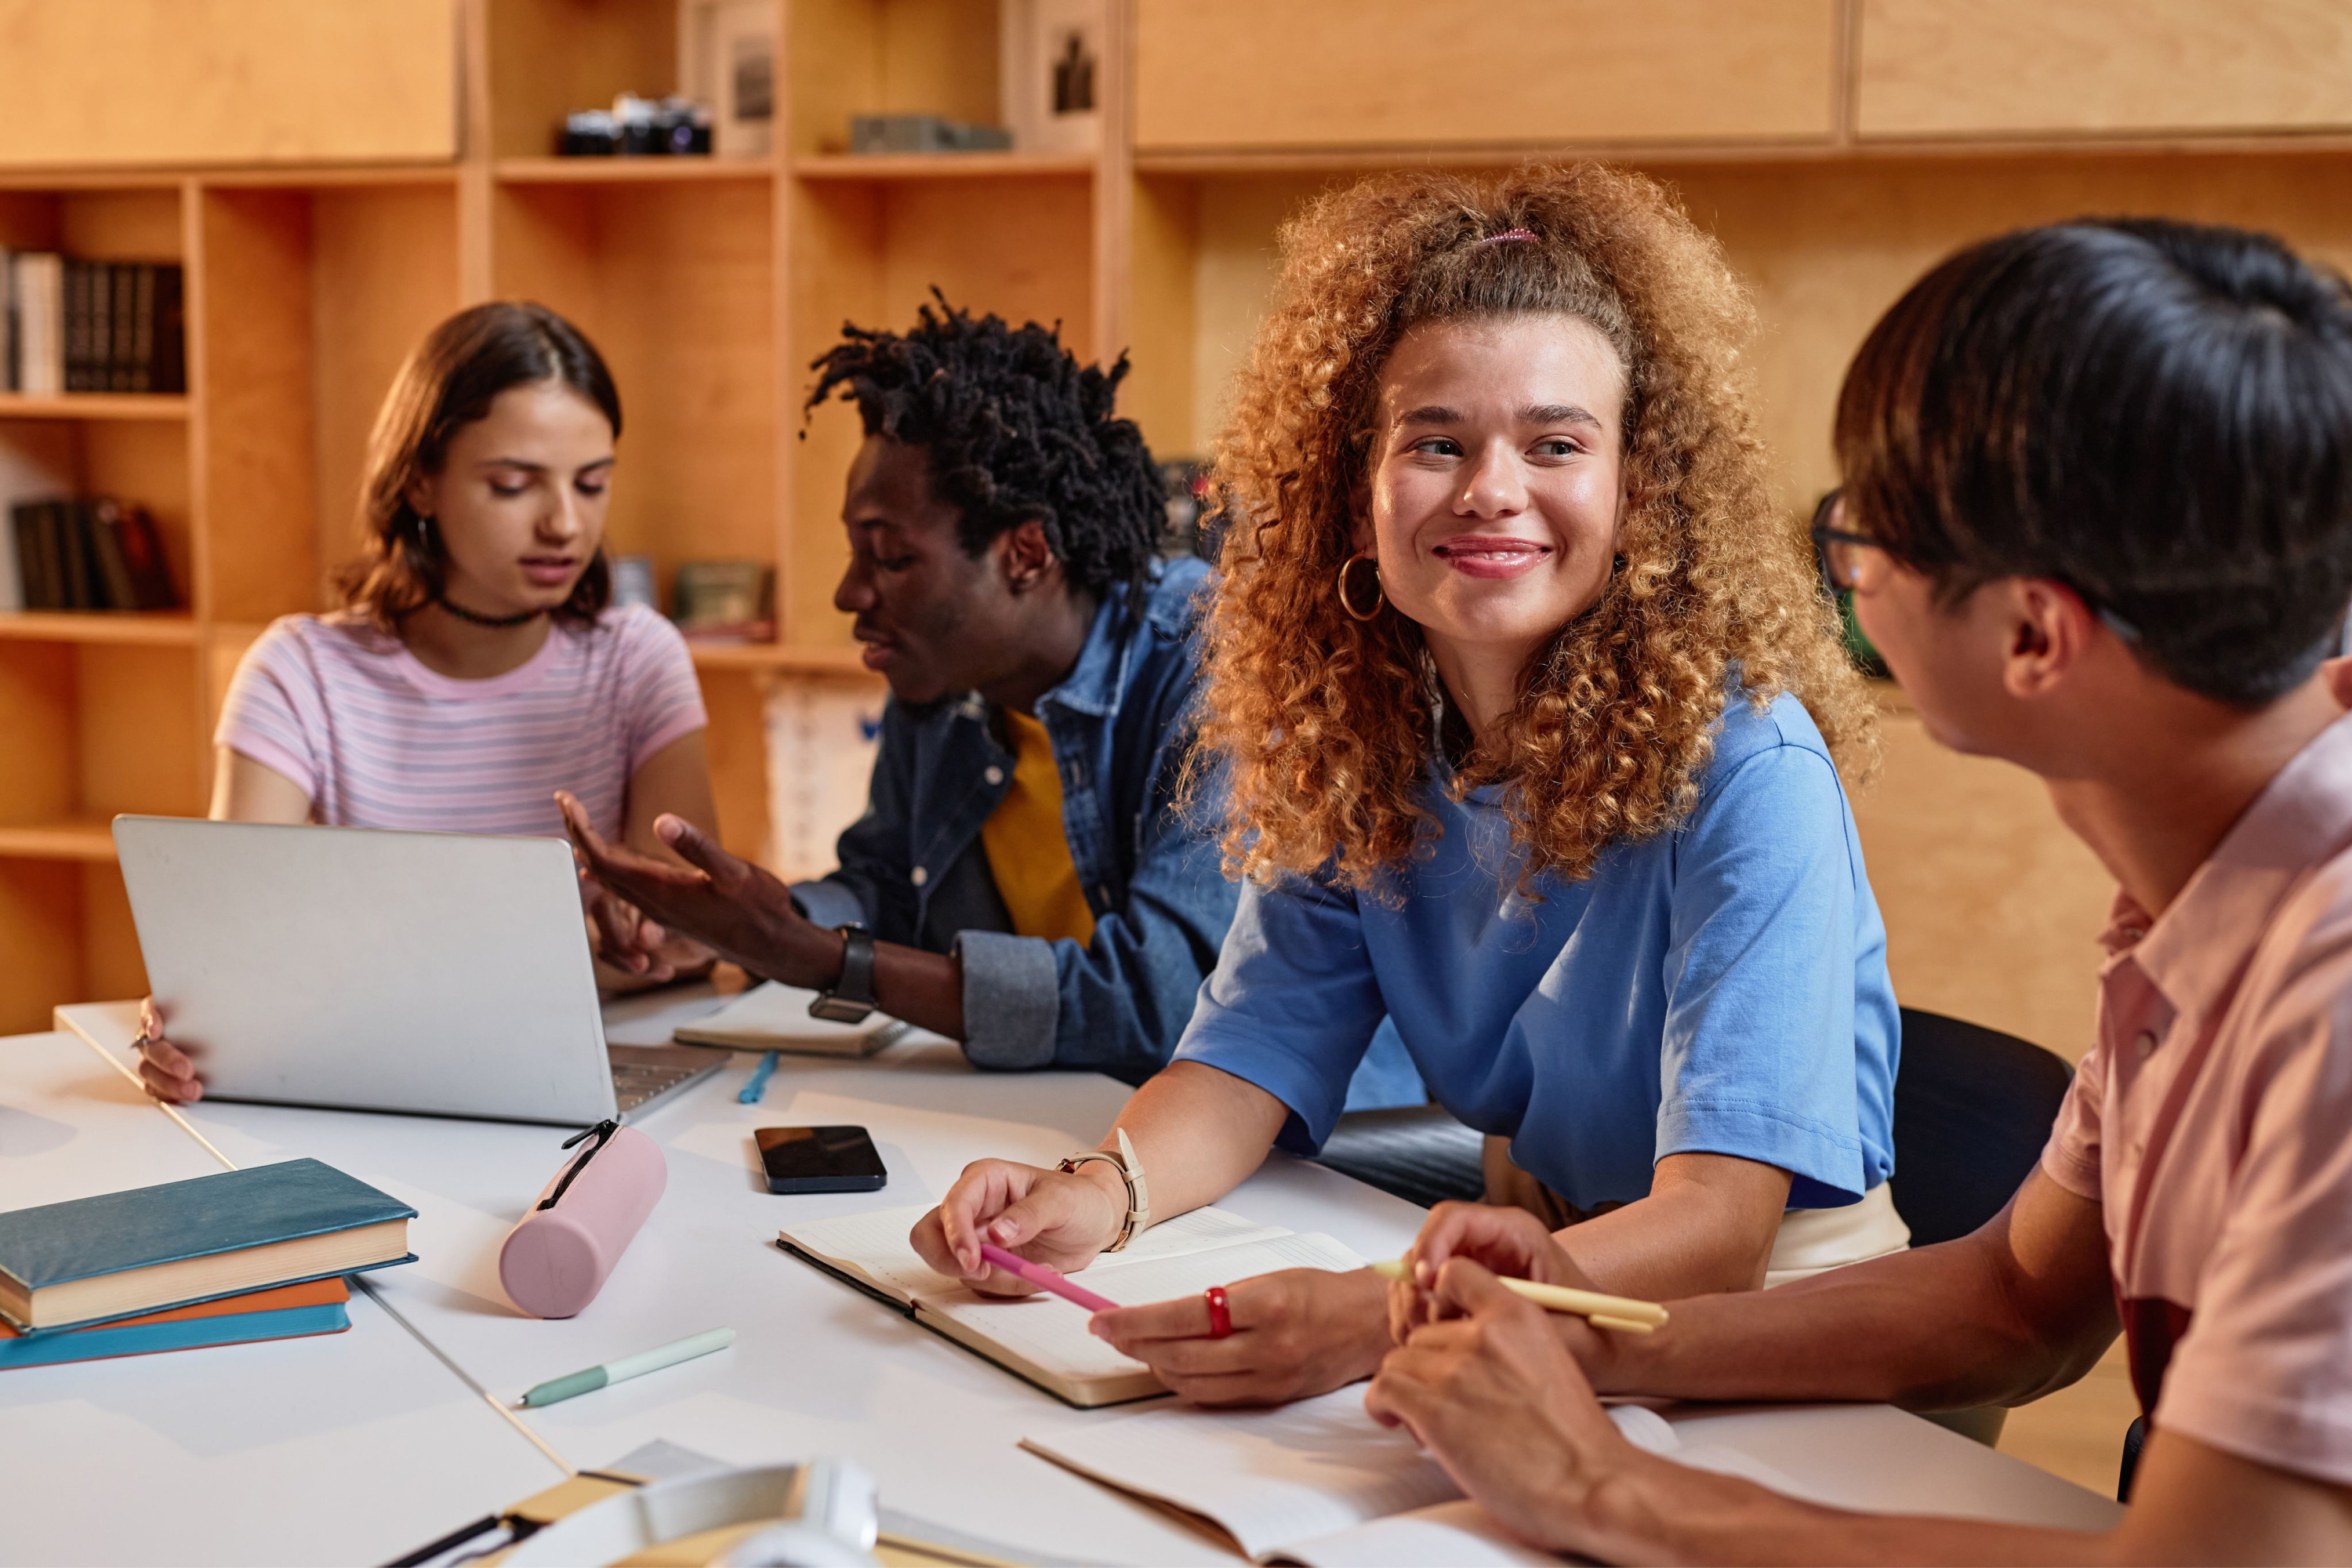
(1054, 1218)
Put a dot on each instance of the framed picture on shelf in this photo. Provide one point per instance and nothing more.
(1050, 73)
(727, 56)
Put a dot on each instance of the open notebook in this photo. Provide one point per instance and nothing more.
(1044, 1338)
(1321, 1482)
(773, 1016)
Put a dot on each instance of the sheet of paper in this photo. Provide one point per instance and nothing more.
(1461, 1534)
(1302, 1477)
(1268, 1476)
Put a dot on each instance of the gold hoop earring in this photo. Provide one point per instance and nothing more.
(1380, 598)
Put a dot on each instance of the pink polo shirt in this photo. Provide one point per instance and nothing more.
(377, 740)
(2212, 1119)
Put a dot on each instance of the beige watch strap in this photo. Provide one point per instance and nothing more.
(1130, 1176)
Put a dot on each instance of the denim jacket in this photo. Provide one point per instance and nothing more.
(913, 870)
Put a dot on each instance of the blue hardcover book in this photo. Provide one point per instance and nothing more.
(290, 1311)
(126, 1253)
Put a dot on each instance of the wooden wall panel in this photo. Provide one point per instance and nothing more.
(672, 283)
(227, 81)
(1992, 908)
(837, 274)
(41, 932)
(737, 742)
(1165, 316)
(39, 703)
(260, 462)
(1827, 250)
(384, 270)
(139, 746)
(1311, 73)
(1962, 68)
(112, 966)
(551, 57)
(1036, 266)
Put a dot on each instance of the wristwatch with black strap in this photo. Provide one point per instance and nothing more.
(851, 997)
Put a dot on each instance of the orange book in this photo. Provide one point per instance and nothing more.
(283, 1312)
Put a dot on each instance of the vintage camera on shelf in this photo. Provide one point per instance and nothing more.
(637, 127)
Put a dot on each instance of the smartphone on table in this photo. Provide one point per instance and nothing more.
(820, 1160)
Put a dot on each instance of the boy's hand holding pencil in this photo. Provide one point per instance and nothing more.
(1516, 1246)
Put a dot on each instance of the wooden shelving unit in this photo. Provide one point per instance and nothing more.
(94, 405)
(1835, 149)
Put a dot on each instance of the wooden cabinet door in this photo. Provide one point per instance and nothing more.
(1229, 74)
(110, 82)
(1978, 67)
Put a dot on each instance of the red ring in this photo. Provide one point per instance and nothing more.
(1221, 1316)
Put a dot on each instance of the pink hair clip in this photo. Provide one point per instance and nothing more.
(1508, 233)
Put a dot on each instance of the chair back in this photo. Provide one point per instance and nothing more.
(1973, 1108)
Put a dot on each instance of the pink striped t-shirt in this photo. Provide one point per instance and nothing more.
(377, 740)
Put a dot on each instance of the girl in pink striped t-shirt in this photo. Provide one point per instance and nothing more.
(476, 666)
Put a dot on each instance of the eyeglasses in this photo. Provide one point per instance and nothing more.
(1839, 550)
(1841, 553)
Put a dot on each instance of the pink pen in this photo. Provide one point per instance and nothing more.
(1045, 1278)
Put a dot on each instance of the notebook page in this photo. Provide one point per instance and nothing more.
(875, 1245)
(1052, 1333)
(1461, 1534)
(1268, 1476)
(1297, 1478)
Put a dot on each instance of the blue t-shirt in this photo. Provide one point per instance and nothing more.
(1720, 989)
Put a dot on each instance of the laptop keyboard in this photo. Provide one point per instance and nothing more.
(633, 1084)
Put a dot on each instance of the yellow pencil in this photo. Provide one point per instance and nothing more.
(1622, 1313)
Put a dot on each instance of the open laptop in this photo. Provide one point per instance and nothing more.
(436, 973)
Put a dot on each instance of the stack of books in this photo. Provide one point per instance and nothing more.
(91, 554)
(90, 326)
(223, 1260)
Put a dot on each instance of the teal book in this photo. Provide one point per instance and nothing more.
(122, 1254)
(291, 1311)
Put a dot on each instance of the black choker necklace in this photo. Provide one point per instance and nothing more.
(496, 623)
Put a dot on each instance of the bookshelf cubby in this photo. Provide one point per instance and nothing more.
(1836, 146)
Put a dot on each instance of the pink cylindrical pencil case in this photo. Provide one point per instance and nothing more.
(557, 1259)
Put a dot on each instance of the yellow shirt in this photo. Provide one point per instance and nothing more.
(1028, 851)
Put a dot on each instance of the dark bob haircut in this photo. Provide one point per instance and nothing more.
(1016, 429)
(447, 385)
(2158, 415)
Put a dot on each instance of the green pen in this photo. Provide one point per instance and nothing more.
(627, 1367)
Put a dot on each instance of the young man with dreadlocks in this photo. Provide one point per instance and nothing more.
(1023, 878)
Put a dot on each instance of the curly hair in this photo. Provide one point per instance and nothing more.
(1323, 721)
(1016, 429)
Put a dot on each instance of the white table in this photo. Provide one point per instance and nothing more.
(817, 1369)
(348, 1447)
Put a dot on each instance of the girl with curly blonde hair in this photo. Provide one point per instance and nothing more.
(1531, 709)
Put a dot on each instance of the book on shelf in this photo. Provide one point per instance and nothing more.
(282, 1313)
(91, 554)
(93, 326)
(116, 1256)
(1043, 1339)
(36, 283)
(724, 600)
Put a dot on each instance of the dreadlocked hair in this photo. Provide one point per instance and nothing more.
(1017, 429)
(1323, 720)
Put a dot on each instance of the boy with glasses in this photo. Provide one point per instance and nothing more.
(2099, 519)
